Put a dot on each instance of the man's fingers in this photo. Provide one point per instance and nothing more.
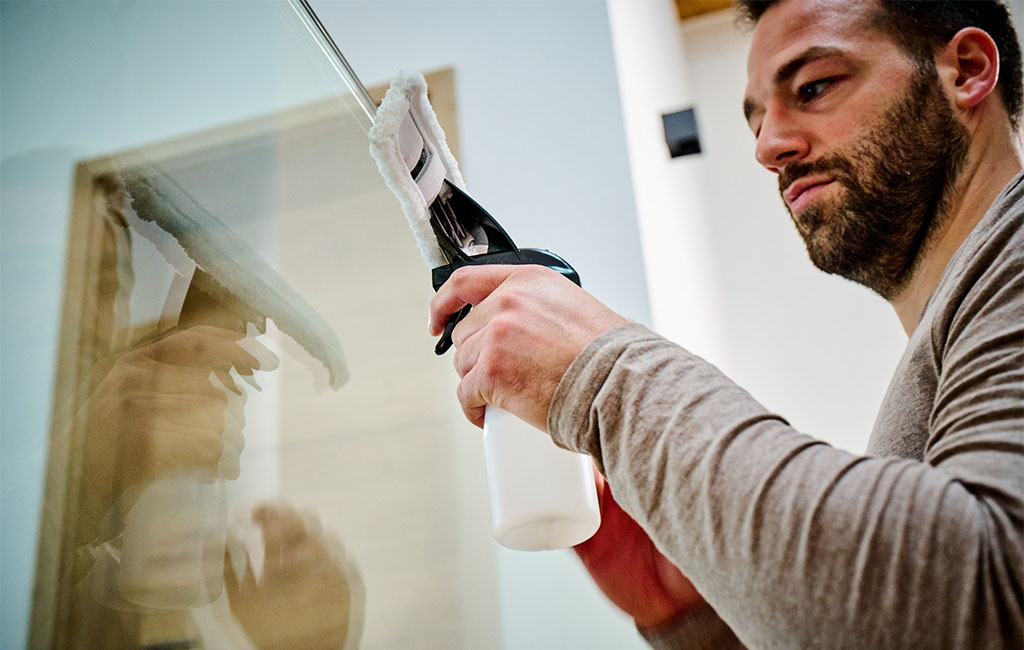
(293, 544)
(527, 325)
(206, 347)
(235, 584)
(470, 398)
(468, 285)
(467, 351)
(206, 411)
(234, 442)
(183, 380)
(281, 526)
(167, 448)
(227, 382)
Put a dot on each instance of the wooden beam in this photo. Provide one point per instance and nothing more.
(692, 8)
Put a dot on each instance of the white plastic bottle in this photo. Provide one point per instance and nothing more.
(542, 497)
(172, 551)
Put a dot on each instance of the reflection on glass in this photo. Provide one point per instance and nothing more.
(162, 429)
(252, 444)
(309, 596)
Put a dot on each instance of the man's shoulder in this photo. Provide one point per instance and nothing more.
(991, 254)
(978, 305)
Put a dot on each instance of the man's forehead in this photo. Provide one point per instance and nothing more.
(790, 28)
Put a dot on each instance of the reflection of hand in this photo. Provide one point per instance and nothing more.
(304, 598)
(527, 325)
(158, 410)
(631, 572)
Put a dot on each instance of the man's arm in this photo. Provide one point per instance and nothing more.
(797, 544)
(794, 543)
(637, 577)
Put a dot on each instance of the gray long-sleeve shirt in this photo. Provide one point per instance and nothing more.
(795, 544)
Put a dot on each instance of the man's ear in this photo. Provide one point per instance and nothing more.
(968, 66)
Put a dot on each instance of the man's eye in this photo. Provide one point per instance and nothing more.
(811, 91)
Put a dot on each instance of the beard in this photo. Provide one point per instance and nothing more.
(896, 188)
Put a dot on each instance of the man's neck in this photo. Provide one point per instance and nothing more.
(991, 164)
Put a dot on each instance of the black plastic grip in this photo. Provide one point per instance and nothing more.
(537, 256)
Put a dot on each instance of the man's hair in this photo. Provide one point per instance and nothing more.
(922, 27)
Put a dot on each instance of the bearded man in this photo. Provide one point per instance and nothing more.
(893, 127)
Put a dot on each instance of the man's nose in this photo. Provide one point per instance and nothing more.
(780, 141)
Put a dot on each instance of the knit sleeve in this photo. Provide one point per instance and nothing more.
(699, 629)
(796, 544)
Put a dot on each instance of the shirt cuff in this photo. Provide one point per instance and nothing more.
(569, 413)
(697, 629)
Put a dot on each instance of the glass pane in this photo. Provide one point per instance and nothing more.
(251, 443)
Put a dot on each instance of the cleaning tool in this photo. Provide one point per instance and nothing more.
(542, 497)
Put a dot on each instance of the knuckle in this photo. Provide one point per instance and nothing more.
(124, 383)
(203, 329)
(460, 277)
(463, 392)
(217, 399)
(127, 403)
(197, 348)
(490, 365)
(501, 329)
(459, 361)
(509, 300)
(175, 338)
(533, 272)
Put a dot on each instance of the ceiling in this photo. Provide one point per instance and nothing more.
(691, 8)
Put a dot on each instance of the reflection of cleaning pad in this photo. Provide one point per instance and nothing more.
(170, 315)
(201, 308)
(230, 273)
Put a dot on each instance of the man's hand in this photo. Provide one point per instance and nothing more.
(169, 405)
(527, 325)
(631, 572)
(309, 596)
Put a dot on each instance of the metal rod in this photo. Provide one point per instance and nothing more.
(352, 81)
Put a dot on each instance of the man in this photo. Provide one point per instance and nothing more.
(892, 129)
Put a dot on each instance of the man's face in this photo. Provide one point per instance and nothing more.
(863, 139)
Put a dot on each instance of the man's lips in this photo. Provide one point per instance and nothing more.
(801, 192)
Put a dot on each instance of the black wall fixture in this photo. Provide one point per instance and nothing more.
(681, 133)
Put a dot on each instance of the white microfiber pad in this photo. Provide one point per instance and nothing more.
(407, 95)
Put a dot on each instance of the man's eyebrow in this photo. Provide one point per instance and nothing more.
(791, 67)
(815, 53)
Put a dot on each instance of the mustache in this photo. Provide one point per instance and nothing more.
(839, 167)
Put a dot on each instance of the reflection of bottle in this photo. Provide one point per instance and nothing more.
(542, 497)
(172, 552)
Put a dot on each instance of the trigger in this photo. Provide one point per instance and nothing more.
(445, 341)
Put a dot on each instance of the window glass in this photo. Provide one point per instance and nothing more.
(218, 318)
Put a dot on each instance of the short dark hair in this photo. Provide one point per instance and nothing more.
(922, 27)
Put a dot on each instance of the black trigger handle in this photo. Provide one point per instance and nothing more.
(445, 341)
